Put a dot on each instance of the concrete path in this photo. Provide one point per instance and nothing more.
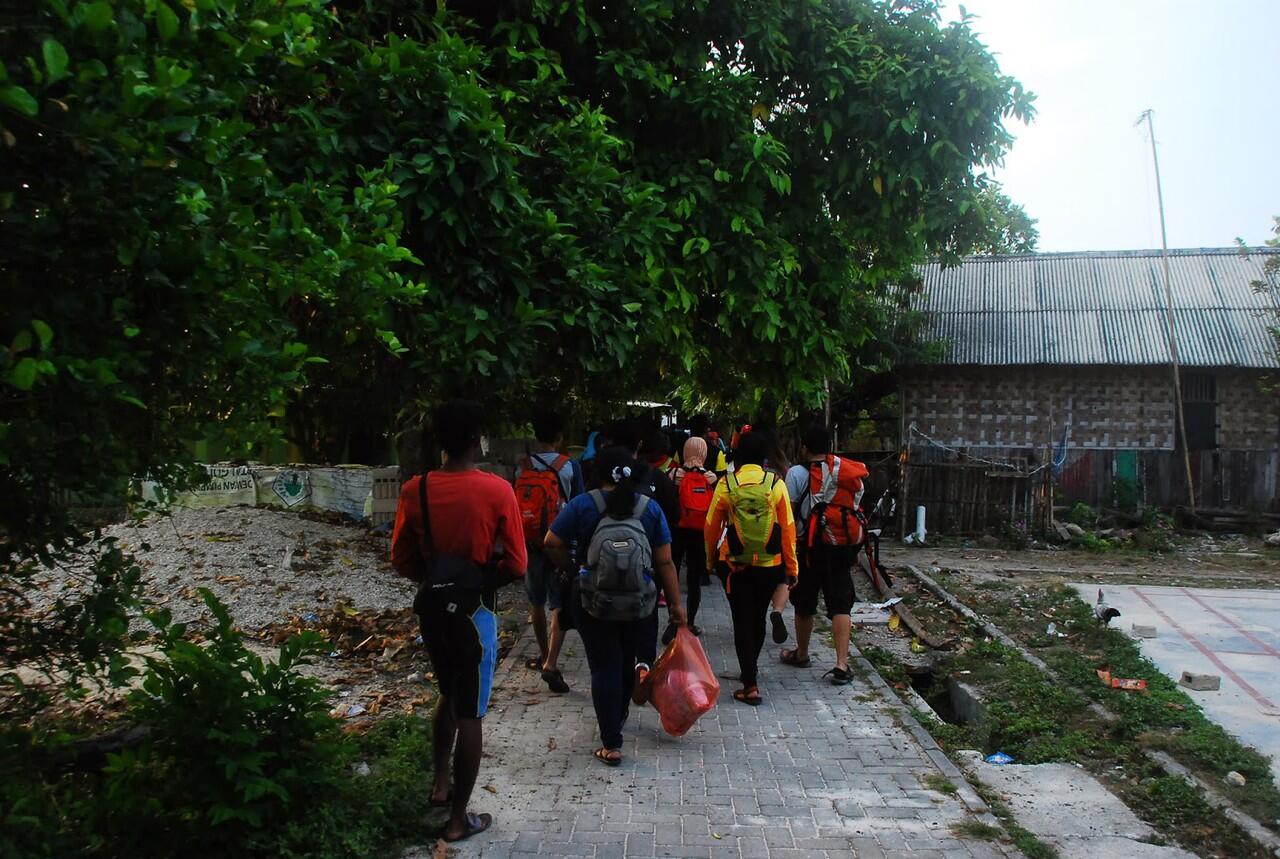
(1068, 808)
(1234, 634)
(815, 771)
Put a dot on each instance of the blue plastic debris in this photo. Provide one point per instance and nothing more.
(311, 617)
(999, 759)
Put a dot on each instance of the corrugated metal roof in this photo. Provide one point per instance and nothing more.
(1102, 307)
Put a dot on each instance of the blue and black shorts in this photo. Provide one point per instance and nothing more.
(461, 634)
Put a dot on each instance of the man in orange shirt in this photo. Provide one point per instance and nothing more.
(458, 533)
(759, 549)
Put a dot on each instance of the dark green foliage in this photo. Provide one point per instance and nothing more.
(242, 759)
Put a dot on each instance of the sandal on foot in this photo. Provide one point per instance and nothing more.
(791, 657)
(533, 664)
(476, 823)
(608, 757)
(749, 695)
(840, 676)
(640, 686)
(779, 627)
(555, 681)
(441, 803)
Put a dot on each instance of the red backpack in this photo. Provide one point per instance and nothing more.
(695, 498)
(835, 483)
(540, 495)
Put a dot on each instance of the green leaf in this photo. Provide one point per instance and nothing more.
(16, 98)
(22, 342)
(23, 376)
(55, 59)
(631, 306)
(96, 16)
(133, 401)
(826, 131)
(166, 21)
(44, 332)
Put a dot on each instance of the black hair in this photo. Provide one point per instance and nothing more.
(699, 424)
(548, 426)
(753, 449)
(816, 438)
(626, 432)
(656, 444)
(622, 500)
(458, 425)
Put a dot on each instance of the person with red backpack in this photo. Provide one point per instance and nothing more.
(457, 533)
(545, 482)
(695, 485)
(826, 490)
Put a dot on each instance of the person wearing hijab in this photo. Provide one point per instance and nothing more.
(687, 540)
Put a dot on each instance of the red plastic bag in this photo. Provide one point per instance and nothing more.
(682, 684)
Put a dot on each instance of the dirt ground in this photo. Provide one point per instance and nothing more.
(279, 573)
(1225, 560)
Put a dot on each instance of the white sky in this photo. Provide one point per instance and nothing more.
(1210, 70)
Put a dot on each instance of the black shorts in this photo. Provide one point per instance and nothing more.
(461, 635)
(829, 569)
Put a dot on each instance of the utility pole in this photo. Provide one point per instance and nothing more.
(1168, 311)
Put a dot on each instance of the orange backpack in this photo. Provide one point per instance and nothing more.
(835, 484)
(540, 495)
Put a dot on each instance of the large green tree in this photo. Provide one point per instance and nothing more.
(225, 219)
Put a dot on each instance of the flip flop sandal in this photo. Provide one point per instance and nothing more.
(555, 681)
(788, 657)
(442, 803)
(746, 696)
(606, 756)
(476, 823)
(779, 627)
(840, 676)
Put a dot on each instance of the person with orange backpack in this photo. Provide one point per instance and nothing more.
(695, 485)
(827, 489)
(545, 481)
(752, 510)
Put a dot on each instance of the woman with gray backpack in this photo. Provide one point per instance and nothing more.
(624, 543)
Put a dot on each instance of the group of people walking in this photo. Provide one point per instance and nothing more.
(599, 542)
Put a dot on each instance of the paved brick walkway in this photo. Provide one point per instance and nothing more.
(815, 771)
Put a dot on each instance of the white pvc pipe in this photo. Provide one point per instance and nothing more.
(920, 524)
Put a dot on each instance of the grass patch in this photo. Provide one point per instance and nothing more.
(941, 784)
(977, 829)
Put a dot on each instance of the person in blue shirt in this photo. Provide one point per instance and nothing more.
(612, 646)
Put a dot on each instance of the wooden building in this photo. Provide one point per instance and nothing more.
(1058, 366)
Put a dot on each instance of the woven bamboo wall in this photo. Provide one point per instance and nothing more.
(1109, 408)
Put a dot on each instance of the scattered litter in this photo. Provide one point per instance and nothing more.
(363, 769)
(894, 622)
(1200, 682)
(311, 617)
(1128, 684)
(887, 603)
(917, 646)
(415, 677)
(1140, 631)
(999, 759)
(348, 712)
(1235, 779)
(490, 788)
(1051, 629)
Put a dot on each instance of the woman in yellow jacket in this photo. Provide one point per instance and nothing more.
(759, 550)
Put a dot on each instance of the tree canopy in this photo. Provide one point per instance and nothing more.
(227, 219)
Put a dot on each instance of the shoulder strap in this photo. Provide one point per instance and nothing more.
(597, 498)
(642, 504)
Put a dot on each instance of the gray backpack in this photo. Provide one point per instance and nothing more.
(618, 582)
